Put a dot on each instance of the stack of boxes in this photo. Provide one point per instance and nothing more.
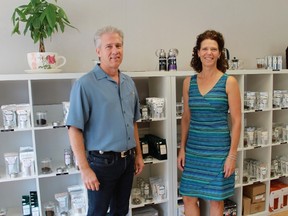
(278, 195)
(254, 198)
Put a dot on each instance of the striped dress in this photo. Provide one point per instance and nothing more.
(208, 144)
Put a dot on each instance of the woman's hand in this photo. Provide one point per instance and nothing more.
(181, 159)
(229, 167)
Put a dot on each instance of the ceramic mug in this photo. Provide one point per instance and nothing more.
(45, 60)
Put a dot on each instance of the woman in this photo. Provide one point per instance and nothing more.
(208, 152)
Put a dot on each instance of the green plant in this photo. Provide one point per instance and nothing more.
(42, 19)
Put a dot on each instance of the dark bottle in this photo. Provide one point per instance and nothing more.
(172, 63)
(162, 59)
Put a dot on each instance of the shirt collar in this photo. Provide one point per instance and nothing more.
(100, 74)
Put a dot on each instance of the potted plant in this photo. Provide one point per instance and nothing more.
(42, 19)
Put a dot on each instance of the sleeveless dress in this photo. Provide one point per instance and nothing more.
(208, 144)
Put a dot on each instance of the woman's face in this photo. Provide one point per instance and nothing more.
(209, 53)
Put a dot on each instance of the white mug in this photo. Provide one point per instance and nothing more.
(45, 60)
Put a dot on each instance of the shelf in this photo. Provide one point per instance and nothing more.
(48, 91)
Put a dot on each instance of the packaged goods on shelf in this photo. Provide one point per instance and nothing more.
(16, 115)
(255, 170)
(157, 146)
(158, 188)
(230, 208)
(27, 161)
(256, 195)
(12, 164)
(278, 195)
(256, 192)
(78, 199)
(156, 107)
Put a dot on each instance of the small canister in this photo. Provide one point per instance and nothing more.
(68, 158)
(46, 166)
(172, 63)
(279, 62)
(50, 209)
(274, 63)
(41, 118)
(162, 59)
(144, 112)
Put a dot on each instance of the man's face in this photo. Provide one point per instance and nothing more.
(110, 51)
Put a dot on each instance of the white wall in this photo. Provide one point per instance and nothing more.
(252, 28)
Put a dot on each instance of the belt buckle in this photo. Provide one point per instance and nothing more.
(123, 154)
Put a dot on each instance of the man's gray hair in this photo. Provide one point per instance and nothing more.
(104, 30)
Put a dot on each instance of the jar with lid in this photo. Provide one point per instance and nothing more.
(136, 196)
(41, 118)
(46, 166)
(50, 209)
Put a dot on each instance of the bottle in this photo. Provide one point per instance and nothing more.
(162, 59)
(172, 64)
(68, 158)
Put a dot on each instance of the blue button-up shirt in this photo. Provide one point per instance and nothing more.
(104, 110)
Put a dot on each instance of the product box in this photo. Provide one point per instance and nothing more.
(157, 146)
(284, 189)
(258, 198)
(257, 207)
(275, 198)
(145, 211)
(246, 205)
(284, 192)
(256, 192)
(278, 195)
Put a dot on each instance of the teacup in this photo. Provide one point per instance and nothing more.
(45, 60)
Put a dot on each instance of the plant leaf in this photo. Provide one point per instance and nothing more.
(16, 29)
(50, 15)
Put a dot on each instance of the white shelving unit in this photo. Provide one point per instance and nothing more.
(48, 91)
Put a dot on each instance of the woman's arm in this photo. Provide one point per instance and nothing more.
(234, 101)
(185, 122)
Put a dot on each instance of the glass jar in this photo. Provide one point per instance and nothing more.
(41, 118)
(136, 196)
(46, 166)
(50, 209)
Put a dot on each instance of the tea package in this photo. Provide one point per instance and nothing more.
(12, 164)
(78, 200)
(27, 160)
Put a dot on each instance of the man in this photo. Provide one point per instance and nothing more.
(104, 108)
